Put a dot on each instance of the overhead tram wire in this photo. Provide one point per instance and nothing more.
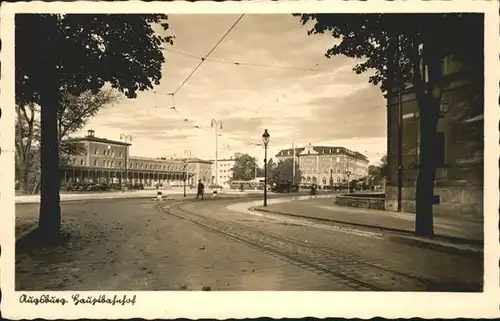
(173, 107)
(207, 55)
(237, 63)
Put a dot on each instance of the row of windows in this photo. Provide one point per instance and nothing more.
(111, 163)
(107, 163)
(107, 152)
(155, 166)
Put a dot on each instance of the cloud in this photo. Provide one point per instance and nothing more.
(330, 104)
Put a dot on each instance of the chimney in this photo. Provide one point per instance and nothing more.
(90, 133)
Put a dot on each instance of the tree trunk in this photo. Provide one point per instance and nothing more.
(23, 178)
(429, 115)
(50, 209)
(429, 93)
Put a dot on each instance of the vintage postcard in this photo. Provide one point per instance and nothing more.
(248, 159)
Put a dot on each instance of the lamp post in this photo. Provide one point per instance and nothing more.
(109, 171)
(265, 140)
(348, 174)
(127, 138)
(216, 124)
(187, 155)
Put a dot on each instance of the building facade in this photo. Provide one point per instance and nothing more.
(108, 161)
(459, 150)
(200, 170)
(323, 165)
(224, 172)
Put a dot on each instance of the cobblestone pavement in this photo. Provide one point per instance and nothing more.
(130, 245)
(456, 227)
(383, 262)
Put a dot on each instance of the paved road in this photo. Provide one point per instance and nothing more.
(132, 245)
(467, 229)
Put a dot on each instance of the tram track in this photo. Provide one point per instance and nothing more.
(354, 274)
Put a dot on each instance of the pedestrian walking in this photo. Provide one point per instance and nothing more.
(201, 190)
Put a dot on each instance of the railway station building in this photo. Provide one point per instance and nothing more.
(108, 161)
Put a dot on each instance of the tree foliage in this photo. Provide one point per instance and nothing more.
(375, 39)
(283, 172)
(244, 167)
(83, 52)
(74, 113)
(378, 172)
(76, 53)
(403, 50)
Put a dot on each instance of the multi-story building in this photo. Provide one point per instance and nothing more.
(106, 160)
(200, 170)
(459, 146)
(323, 165)
(224, 172)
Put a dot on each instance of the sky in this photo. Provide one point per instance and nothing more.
(309, 99)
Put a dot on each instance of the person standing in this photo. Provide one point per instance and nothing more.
(201, 189)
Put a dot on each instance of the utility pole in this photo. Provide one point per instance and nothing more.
(127, 138)
(217, 124)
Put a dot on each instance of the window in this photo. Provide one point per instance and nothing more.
(119, 164)
(112, 163)
(103, 163)
(81, 162)
(121, 154)
(104, 152)
(95, 152)
(95, 161)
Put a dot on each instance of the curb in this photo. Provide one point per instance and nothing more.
(451, 242)
(233, 195)
(166, 196)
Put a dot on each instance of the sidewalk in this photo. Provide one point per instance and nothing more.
(146, 193)
(467, 230)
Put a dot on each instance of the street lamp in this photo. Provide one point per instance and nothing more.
(109, 171)
(265, 140)
(127, 138)
(216, 124)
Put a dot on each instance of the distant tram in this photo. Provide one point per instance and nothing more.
(254, 184)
